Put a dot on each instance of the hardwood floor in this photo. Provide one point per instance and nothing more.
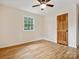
(41, 49)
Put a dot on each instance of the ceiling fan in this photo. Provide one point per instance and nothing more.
(43, 4)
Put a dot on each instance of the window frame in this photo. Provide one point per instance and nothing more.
(33, 23)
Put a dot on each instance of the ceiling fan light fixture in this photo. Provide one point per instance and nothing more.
(43, 6)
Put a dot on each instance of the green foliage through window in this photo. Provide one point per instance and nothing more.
(28, 23)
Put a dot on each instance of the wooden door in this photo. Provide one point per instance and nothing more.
(62, 29)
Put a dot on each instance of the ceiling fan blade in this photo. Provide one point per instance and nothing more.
(35, 5)
(50, 5)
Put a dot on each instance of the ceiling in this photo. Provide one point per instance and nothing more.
(27, 5)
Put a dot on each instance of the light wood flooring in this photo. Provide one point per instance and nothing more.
(41, 49)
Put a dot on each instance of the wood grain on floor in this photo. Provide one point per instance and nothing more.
(41, 49)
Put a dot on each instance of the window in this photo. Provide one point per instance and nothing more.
(29, 24)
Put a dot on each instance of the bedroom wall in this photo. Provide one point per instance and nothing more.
(11, 26)
(61, 7)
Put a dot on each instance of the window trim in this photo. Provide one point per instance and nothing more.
(33, 23)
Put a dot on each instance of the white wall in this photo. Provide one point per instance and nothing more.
(62, 6)
(11, 26)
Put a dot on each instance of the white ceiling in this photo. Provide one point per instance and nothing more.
(77, 1)
(27, 5)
